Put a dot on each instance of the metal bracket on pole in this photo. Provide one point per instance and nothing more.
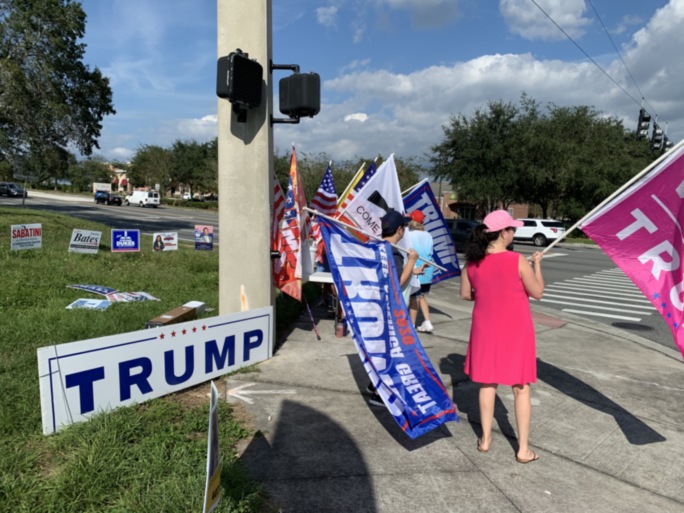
(291, 67)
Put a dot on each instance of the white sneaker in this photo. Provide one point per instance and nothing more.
(426, 327)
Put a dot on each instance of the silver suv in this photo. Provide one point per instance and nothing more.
(539, 231)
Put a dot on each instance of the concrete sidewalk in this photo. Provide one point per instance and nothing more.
(606, 421)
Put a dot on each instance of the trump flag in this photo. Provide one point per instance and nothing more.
(641, 231)
(444, 252)
(389, 347)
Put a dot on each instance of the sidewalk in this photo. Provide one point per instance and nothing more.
(607, 423)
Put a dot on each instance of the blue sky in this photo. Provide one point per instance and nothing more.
(392, 71)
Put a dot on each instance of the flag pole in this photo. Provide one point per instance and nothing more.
(351, 184)
(413, 187)
(369, 235)
(646, 170)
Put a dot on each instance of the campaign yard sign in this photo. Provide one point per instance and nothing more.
(84, 241)
(81, 379)
(167, 241)
(125, 241)
(26, 236)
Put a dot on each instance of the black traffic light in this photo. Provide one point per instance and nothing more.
(667, 144)
(300, 95)
(657, 138)
(643, 125)
(239, 80)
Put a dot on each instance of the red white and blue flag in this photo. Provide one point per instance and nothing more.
(400, 370)
(358, 183)
(293, 240)
(324, 201)
(641, 230)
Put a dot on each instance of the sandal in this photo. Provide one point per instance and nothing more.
(534, 457)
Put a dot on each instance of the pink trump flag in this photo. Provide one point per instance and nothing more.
(641, 231)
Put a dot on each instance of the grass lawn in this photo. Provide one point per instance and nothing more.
(145, 458)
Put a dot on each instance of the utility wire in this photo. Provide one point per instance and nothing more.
(620, 55)
(588, 56)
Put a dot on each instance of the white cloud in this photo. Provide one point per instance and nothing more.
(202, 129)
(357, 116)
(527, 20)
(327, 16)
(122, 154)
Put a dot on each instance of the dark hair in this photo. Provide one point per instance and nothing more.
(388, 233)
(478, 242)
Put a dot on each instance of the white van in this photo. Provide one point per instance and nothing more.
(143, 199)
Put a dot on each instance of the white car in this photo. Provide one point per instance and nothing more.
(539, 231)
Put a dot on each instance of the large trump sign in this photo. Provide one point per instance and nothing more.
(81, 379)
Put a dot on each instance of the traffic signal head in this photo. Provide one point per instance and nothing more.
(239, 79)
(657, 138)
(643, 125)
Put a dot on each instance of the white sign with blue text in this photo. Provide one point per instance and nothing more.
(81, 379)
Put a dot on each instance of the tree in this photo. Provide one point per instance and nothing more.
(49, 99)
(151, 165)
(477, 155)
(84, 173)
(191, 166)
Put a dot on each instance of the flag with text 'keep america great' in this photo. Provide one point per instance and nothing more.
(368, 289)
(641, 231)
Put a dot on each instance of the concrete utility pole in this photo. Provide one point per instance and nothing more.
(245, 165)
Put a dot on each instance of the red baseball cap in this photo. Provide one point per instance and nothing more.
(417, 216)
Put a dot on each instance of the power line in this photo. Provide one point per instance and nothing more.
(620, 55)
(591, 59)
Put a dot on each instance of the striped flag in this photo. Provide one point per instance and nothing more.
(324, 201)
(358, 183)
(293, 243)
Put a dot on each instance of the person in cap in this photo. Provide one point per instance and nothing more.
(393, 229)
(421, 241)
(501, 350)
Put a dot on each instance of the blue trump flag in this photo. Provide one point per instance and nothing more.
(369, 292)
(444, 252)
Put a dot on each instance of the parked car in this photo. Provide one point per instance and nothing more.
(539, 231)
(108, 198)
(12, 190)
(460, 230)
(143, 199)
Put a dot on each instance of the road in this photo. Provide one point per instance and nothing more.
(582, 280)
(147, 220)
(579, 279)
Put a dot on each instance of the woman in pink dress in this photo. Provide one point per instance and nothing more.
(501, 350)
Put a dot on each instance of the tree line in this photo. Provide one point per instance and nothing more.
(561, 161)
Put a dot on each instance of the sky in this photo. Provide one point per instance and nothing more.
(393, 72)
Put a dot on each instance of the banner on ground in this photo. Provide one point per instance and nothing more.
(641, 231)
(444, 252)
(389, 347)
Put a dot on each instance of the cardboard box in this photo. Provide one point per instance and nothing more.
(180, 314)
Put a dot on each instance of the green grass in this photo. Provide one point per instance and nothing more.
(146, 458)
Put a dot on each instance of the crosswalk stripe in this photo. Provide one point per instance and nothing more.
(649, 307)
(623, 309)
(597, 314)
(635, 298)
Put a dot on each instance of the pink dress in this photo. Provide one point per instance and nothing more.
(502, 344)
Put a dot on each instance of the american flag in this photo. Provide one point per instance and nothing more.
(324, 201)
(367, 174)
(278, 211)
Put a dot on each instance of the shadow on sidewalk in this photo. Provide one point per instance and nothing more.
(313, 464)
(465, 394)
(384, 417)
(635, 430)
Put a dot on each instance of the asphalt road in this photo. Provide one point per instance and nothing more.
(582, 280)
(579, 279)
